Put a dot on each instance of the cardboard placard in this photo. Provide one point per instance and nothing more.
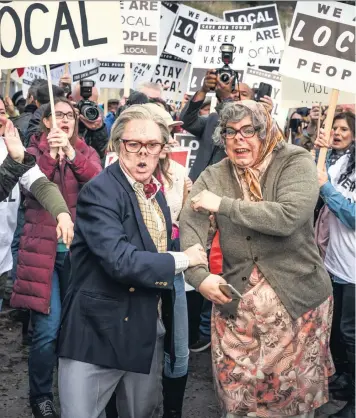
(35, 33)
(180, 155)
(268, 39)
(140, 31)
(297, 93)
(81, 70)
(188, 140)
(168, 16)
(207, 53)
(321, 48)
(182, 39)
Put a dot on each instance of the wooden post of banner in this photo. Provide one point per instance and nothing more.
(127, 79)
(213, 103)
(105, 100)
(8, 83)
(50, 91)
(66, 68)
(179, 84)
(328, 125)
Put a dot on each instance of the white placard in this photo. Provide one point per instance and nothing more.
(37, 33)
(296, 93)
(168, 16)
(321, 48)
(188, 140)
(254, 77)
(84, 69)
(140, 31)
(141, 73)
(57, 72)
(172, 73)
(30, 74)
(207, 52)
(111, 75)
(182, 39)
(268, 39)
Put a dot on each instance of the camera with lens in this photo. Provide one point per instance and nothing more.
(226, 72)
(86, 107)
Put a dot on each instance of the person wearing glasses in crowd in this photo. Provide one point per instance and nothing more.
(270, 339)
(111, 336)
(69, 162)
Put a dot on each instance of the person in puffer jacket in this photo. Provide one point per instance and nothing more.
(69, 162)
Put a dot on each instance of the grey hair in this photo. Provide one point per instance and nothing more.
(136, 112)
(233, 112)
(150, 85)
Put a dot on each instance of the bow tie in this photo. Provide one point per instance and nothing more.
(150, 190)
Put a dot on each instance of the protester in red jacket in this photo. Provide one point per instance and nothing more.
(69, 162)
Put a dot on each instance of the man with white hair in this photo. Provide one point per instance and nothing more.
(151, 90)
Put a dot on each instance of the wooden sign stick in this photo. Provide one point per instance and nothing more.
(8, 83)
(51, 99)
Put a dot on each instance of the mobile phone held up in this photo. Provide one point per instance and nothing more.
(264, 89)
(229, 291)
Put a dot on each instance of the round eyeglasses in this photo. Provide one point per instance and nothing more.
(247, 131)
(135, 147)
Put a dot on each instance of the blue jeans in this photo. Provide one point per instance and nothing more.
(205, 320)
(42, 356)
(180, 333)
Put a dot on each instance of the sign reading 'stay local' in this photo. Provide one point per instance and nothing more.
(182, 39)
(207, 53)
(268, 39)
(140, 25)
(321, 48)
(37, 33)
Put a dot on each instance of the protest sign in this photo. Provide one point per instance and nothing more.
(182, 39)
(141, 73)
(57, 71)
(207, 52)
(35, 33)
(188, 140)
(296, 93)
(172, 75)
(254, 77)
(268, 38)
(321, 48)
(140, 31)
(30, 74)
(111, 75)
(168, 16)
(180, 155)
(84, 69)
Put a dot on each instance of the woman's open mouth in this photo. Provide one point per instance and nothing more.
(65, 129)
(241, 151)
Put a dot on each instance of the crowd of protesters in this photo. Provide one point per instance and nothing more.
(118, 272)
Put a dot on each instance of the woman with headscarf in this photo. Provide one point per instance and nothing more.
(269, 348)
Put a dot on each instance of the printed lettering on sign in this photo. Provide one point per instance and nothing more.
(84, 69)
(188, 140)
(183, 36)
(207, 54)
(111, 74)
(322, 45)
(68, 31)
(140, 30)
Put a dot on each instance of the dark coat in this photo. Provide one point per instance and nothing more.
(109, 314)
(38, 244)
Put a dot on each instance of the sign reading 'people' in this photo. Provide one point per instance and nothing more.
(321, 48)
(36, 33)
(268, 36)
(140, 31)
(207, 54)
(182, 39)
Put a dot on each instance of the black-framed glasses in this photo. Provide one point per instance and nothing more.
(246, 131)
(153, 148)
(60, 115)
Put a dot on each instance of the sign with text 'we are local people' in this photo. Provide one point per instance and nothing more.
(36, 33)
(172, 73)
(268, 40)
(168, 16)
(296, 93)
(182, 39)
(140, 26)
(207, 54)
(321, 48)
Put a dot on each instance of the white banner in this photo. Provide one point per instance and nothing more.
(254, 77)
(182, 39)
(84, 69)
(140, 31)
(53, 32)
(268, 39)
(141, 73)
(321, 48)
(111, 75)
(172, 73)
(297, 93)
(31, 74)
(207, 54)
(168, 16)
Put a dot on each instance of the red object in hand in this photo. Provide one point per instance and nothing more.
(216, 258)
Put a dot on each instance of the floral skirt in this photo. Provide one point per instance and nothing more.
(267, 365)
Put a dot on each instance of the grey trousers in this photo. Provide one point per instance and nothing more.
(85, 389)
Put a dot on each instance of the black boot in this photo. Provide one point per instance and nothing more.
(173, 395)
(348, 411)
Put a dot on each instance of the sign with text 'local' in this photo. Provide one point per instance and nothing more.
(182, 39)
(207, 54)
(321, 48)
(296, 93)
(140, 31)
(268, 40)
(168, 16)
(36, 33)
(188, 140)
(172, 73)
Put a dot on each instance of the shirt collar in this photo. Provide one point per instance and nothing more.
(135, 184)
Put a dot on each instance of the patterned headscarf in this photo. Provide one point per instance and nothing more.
(274, 137)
